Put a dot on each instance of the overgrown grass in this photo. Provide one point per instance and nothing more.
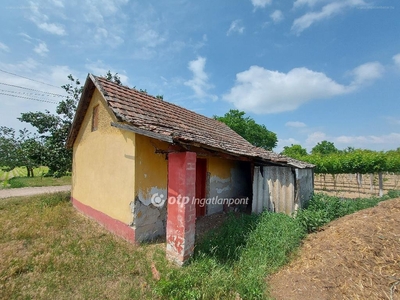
(235, 259)
(322, 209)
(48, 250)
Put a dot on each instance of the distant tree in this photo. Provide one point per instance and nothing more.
(256, 134)
(8, 149)
(114, 78)
(23, 150)
(324, 148)
(348, 150)
(161, 97)
(294, 151)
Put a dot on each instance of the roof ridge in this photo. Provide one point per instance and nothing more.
(155, 98)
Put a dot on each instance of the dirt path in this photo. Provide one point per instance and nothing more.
(354, 257)
(28, 191)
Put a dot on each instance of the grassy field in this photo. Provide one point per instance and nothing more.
(19, 182)
(49, 250)
(17, 179)
(21, 172)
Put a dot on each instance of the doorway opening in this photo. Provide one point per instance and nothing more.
(201, 176)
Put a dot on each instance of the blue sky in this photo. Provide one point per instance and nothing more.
(310, 70)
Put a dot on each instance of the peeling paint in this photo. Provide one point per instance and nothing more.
(149, 221)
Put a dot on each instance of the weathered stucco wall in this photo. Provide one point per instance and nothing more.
(226, 179)
(103, 165)
(149, 221)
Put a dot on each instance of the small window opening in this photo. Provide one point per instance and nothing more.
(95, 118)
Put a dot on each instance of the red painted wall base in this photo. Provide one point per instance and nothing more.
(117, 227)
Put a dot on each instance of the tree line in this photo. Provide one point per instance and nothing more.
(329, 160)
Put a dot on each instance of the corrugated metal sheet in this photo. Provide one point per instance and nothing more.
(273, 189)
(260, 192)
(279, 189)
(304, 186)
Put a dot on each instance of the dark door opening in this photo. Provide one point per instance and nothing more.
(201, 175)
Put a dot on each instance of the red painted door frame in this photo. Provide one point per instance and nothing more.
(201, 175)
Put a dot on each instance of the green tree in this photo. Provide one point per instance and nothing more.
(54, 128)
(256, 134)
(8, 148)
(23, 150)
(324, 148)
(114, 78)
(294, 151)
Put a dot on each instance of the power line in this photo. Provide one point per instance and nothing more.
(28, 94)
(29, 79)
(29, 98)
(21, 87)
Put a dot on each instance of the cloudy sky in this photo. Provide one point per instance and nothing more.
(310, 70)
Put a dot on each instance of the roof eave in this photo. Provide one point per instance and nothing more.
(84, 102)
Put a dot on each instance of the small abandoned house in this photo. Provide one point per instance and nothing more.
(133, 153)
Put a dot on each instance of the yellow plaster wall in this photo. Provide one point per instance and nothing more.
(220, 167)
(151, 168)
(104, 165)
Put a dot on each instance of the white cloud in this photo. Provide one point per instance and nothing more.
(314, 138)
(58, 3)
(149, 37)
(96, 11)
(199, 82)
(236, 26)
(285, 142)
(295, 124)
(396, 60)
(41, 21)
(367, 73)
(55, 76)
(4, 47)
(261, 3)
(264, 91)
(52, 28)
(277, 16)
(327, 11)
(374, 142)
(393, 121)
(41, 49)
(309, 3)
(388, 141)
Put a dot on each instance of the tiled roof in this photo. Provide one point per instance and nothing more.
(150, 114)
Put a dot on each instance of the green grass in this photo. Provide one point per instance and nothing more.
(21, 172)
(16, 178)
(322, 209)
(235, 259)
(50, 251)
(19, 182)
